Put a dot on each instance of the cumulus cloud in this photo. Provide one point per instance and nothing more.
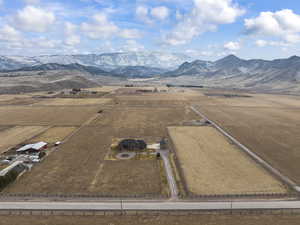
(205, 16)
(130, 33)
(72, 40)
(10, 34)
(142, 13)
(261, 43)
(232, 46)
(33, 19)
(160, 13)
(70, 32)
(284, 24)
(148, 15)
(103, 28)
(132, 46)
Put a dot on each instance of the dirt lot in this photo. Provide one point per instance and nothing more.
(74, 101)
(153, 220)
(212, 165)
(54, 134)
(269, 125)
(13, 136)
(44, 115)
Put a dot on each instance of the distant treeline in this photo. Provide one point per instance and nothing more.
(185, 86)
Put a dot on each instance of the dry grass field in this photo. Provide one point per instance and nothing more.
(54, 134)
(127, 177)
(74, 101)
(13, 136)
(152, 220)
(44, 115)
(79, 166)
(212, 165)
(268, 124)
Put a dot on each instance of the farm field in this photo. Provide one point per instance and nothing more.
(54, 134)
(45, 116)
(74, 101)
(80, 161)
(152, 220)
(127, 177)
(211, 165)
(270, 128)
(15, 135)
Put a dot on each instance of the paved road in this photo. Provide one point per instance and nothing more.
(169, 172)
(150, 205)
(276, 172)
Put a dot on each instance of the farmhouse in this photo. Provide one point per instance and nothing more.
(33, 147)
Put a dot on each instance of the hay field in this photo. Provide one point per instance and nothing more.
(78, 166)
(128, 177)
(212, 165)
(54, 134)
(44, 115)
(74, 101)
(13, 136)
(271, 131)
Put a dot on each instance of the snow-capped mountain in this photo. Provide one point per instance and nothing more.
(107, 61)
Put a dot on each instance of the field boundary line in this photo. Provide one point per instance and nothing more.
(254, 156)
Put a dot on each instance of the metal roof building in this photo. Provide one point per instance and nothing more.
(36, 147)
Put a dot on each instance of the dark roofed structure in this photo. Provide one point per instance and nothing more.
(132, 145)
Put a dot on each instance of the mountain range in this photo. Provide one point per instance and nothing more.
(229, 72)
(232, 71)
(106, 61)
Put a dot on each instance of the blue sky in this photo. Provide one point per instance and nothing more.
(204, 29)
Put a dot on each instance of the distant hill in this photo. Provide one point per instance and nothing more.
(232, 71)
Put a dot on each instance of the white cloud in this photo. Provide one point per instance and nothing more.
(130, 33)
(264, 43)
(72, 40)
(32, 2)
(8, 33)
(205, 16)
(70, 32)
(160, 13)
(232, 46)
(142, 13)
(261, 43)
(33, 19)
(70, 28)
(284, 24)
(102, 28)
(132, 46)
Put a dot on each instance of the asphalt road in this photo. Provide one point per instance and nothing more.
(148, 205)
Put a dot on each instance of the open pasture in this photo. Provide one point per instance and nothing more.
(128, 177)
(211, 165)
(270, 128)
(15, 135)
(73, 101)
(54, 134)
(44, 115)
